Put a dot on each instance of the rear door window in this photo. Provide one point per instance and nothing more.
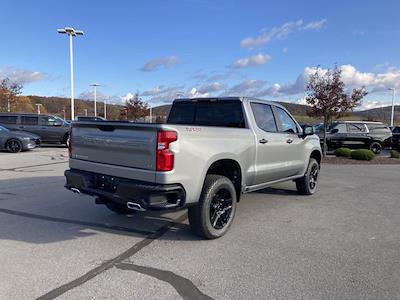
(29, 120)
(47, 121)
(286, 123)
(265, 119)
(8, 119)
(356, 128)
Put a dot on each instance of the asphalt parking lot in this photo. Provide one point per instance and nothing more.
(342, 243)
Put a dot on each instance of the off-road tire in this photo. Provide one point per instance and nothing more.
(307, 185)
(200, 215)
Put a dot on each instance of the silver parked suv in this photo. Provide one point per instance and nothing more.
(210, 152)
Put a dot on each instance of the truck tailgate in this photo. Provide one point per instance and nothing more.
(128, 145)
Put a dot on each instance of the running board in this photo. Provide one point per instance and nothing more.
(252, 188)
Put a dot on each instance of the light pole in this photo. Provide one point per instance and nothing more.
(392, 116)
(105, 109)
(85, 112)
(71, 33)
(95, 85)
(38, 105)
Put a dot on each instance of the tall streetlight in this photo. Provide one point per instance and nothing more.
(38, 105)
(71, 33)
(392, 116)
(105, 109)
(95, 85)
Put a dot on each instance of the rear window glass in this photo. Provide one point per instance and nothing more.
(8, 119)
(208, 113)
(27, 120)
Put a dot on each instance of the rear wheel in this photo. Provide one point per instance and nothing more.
(119, 208)
(213, 215)
(14, 146)
(307, 185)
(375, 147)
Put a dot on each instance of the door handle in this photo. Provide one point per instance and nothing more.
(263, 141)
(289, 141)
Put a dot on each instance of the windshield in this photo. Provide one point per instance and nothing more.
(3, 128)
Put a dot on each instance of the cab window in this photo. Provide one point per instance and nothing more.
(29, 120)
(264, 117)
(286, 123)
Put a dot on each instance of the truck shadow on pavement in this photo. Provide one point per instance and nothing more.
(40, 210)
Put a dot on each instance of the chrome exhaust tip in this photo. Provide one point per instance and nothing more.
(135, 206)
(76, 191)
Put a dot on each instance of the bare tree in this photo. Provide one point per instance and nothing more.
(8, 94)
(135, 108)
(328, 99)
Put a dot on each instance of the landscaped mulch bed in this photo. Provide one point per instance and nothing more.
(379, 160)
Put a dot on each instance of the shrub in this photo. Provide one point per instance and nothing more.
(346, 152)
(394, 154)
(363, 154)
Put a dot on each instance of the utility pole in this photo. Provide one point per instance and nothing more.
(71, 33)
(95, 85)
(392, 115)
(105, 109)
(38, 105)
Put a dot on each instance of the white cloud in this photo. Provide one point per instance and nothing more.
(249, 87)
(21, 76)
(156, 63)
(285, 50)
(89, 95)
(252, 61)
(126, 97)
(283, 31)
(209, 88)
(162, 93)
(195, 93)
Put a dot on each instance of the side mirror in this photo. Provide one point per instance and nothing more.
(308, 130)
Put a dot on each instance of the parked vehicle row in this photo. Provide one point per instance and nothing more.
(396, 137)
(357, 134)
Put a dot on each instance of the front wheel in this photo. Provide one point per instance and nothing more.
(14, 146)
(307, 185)
(213, 215)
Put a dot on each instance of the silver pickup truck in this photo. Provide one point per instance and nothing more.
(210, 151)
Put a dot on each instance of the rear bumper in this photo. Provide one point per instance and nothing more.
(148, 195)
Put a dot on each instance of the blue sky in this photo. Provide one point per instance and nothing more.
(200, 47)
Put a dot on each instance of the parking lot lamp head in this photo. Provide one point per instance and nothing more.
(71, 33)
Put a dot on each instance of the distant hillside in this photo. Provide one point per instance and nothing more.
(57, 105)
(380, 114)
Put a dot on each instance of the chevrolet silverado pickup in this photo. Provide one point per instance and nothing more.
(209, 152)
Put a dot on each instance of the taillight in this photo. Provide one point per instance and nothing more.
(165, 157)
(69, 142)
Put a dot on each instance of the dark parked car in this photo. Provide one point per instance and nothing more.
(359, 134)
(50, 129)
(396, 137)
(17, 141)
